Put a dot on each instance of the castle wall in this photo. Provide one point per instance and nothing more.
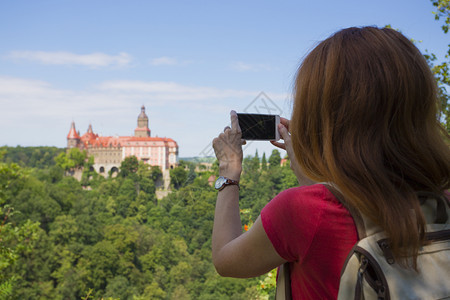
(109, 152)
(106, 155)
(106, 168)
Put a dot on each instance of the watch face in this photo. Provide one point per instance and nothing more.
(219, 182)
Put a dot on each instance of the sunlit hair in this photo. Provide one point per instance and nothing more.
(365, 117)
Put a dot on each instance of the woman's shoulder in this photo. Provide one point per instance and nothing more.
(300, 210)
(305, 198)
(316, 191)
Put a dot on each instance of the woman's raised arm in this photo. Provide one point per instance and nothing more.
(237, 254)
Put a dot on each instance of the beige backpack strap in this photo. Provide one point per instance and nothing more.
(283, 288)
(442, 204)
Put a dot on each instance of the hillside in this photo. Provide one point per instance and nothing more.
(115, 240)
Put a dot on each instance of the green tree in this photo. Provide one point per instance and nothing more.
(74, 158)
(112, 241)
(274, 159)
(441, 70)
(264, 162)
(35, 203)
(178, 177)
(34, 269)
(250, 169)
(152, 291)
(129, 166)
(156, 173)
(126, 197)
(256, 162)
(289, 179)
(101, 262)
(118, 288)
(34, 157)
(77, 156)
(14, 242)
(88, 172)
(442, 11)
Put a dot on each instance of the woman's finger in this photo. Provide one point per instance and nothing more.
(234, 121)
(279, 145)
(284, 133)
(287, 140)
(285, 122)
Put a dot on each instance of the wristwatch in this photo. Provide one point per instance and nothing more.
(222, 182)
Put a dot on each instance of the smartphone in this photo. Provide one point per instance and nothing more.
(259, 127)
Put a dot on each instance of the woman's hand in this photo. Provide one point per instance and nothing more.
(283, 128)
(234, 253)
(228, 149)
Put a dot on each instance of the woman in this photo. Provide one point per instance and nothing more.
(365, 119)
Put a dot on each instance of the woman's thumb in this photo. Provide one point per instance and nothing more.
(283, 132)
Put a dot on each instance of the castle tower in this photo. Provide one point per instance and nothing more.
(89, 135)
(73, 138)
(142, 129)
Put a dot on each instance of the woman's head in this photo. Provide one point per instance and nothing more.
(365, 117)
(362, 92)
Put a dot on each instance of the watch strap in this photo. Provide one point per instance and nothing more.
(228, 182)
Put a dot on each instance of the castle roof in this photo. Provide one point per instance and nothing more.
(72, 132)
(142, 115)
(91, 139)
(89, 135)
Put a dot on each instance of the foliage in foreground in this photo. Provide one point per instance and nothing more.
(61, 240)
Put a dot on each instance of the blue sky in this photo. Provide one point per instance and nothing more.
(188, 62)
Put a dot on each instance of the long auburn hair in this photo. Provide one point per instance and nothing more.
(365, 117)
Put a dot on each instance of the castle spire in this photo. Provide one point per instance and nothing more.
(89, 135)
(72, 132)
(73, 138)
(142, 129)
(142, 114)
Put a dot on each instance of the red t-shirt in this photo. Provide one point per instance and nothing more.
(311, 229)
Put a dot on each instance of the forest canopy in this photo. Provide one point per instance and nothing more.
(111, 238)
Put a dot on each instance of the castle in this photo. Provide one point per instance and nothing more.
(109, 151)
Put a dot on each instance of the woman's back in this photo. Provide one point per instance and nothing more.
(311, 229)
(365, 118)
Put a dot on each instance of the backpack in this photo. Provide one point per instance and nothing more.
(370, 270)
